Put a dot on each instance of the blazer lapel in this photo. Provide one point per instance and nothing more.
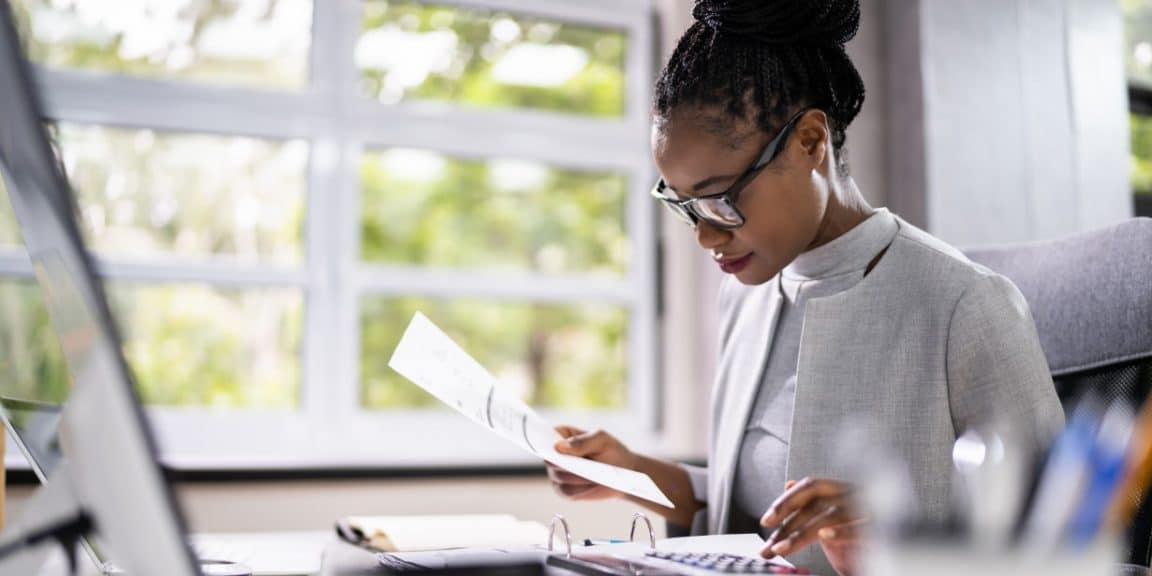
(744, 363)
(835, 375)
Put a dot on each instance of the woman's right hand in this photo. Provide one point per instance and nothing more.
(596, 445)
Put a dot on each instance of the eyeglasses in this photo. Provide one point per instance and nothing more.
(719, 210)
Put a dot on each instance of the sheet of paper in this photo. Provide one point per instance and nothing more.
(431, 360)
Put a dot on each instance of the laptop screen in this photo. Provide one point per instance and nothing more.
(92, 427)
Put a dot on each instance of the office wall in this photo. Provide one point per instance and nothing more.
(1008, 117)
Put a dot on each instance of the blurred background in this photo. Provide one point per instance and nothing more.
(273, 187)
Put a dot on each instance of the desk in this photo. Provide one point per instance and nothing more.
(268, 553)
(304, 554)
(342, 559)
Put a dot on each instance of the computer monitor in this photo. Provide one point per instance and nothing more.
(100, 433)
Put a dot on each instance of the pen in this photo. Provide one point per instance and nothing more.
(1137, 472)
(1107, 467)
(591, 542)
(1062, 483)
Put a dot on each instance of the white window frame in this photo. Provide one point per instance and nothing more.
(330, 429)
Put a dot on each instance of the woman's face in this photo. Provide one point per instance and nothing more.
(783, 205)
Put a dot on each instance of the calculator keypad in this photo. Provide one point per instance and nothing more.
(726, 563)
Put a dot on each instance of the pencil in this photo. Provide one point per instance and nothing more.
(1137, 473)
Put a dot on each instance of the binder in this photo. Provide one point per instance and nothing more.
(701, 555)
(601, 564)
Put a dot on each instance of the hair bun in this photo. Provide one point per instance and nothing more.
(805, 22)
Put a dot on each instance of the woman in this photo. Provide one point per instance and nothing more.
(832, 309)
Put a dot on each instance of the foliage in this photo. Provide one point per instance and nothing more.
(188, 346)
(248, 42)
(31, 361)
(514, 215)
(1138, 62)
(146, 194)
(560, 356)
(1138, 40)
(1141, 130)
(9, 233)
(479, 38)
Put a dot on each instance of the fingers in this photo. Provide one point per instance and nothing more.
(804, 510)
(575, 487)
(848, 533)
(800, 495)
(789, 539)
(569, 484)
(584, 444)
(567, 431)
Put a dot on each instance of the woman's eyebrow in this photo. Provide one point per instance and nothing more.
(712, 180)
(701, 185)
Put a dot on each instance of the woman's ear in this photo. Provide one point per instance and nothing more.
(813, 136)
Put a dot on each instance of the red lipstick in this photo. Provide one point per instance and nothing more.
(735, 265)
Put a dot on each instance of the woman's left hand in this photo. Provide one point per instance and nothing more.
(815, 510)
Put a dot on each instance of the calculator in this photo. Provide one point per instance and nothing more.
(724, 563)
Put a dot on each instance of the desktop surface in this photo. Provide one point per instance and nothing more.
(343, 559)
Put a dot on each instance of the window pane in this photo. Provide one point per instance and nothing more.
(144, 193)
(1138, 40)
(31, 361)
(260, 43)
(409, 50)
(201, 346)
(551, 355)
(1141, 131)
(1141, 127)
(9, 230)
(424, 208)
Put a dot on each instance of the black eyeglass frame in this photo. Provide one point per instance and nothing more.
(686, 209)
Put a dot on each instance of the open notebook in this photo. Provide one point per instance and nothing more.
(422, 533)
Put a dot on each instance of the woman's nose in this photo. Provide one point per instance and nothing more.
(709, 236)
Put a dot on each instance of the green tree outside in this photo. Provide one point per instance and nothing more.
(481, 38)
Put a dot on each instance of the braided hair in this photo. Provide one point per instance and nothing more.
(765, 60)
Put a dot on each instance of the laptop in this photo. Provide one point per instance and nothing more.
(90, 444)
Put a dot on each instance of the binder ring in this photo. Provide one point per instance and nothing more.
(567, 533)
(632, 533)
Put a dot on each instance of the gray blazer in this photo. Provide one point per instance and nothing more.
(927, 345)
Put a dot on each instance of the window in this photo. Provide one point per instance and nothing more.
(1138, 63)
(273, 187)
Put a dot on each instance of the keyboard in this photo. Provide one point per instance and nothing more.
(724, 563)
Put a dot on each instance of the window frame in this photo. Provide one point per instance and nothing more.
(330, 429)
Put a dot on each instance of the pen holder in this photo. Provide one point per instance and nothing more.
(944, 559)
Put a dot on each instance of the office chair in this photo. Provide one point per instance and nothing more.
(1091, 297)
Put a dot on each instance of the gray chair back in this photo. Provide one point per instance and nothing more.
(1091, 297)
